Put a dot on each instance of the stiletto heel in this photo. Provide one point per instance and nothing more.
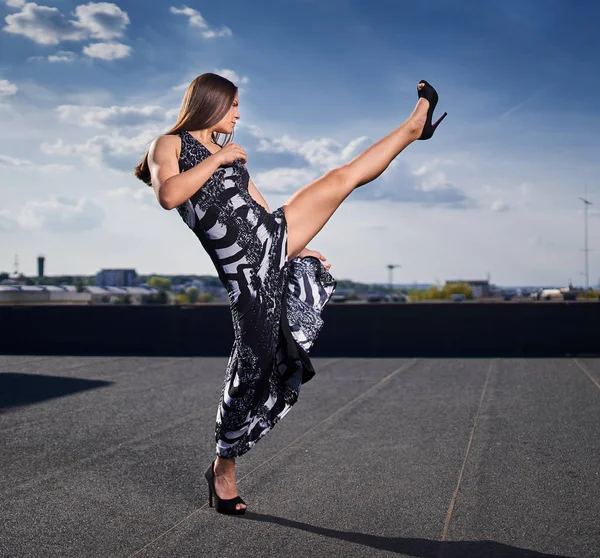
(227, 507)
(429, 93)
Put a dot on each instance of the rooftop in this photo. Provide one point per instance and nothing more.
(104, 456)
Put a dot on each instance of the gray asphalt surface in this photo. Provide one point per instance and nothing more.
(433, 458)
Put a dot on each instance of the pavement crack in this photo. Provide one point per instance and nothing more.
(450, 510)
(587, 373)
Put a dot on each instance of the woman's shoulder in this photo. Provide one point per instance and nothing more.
(166, 142)
(167, 139)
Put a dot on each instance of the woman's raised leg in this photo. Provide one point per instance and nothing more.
(308, 210)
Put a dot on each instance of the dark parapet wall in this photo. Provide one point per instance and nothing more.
(463, 330)
(116, 330)
(536, 329)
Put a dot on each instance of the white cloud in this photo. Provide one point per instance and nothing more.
(15, 3)
(112, 151)
(432, 180)
(399, 184)
(142, 193)
(253, 130)
(44, 25)
(223, 32)
(284, 180)
(59, 147)
(196, 20)
(7, 88)
(107, 51)
(59, 56)
(182, 86)
(7, 161)
(432, 165)
(500, 206)
(62, 56)
(432, 187)
(326, 153)
(233, 76)
(100, 117)
(279, 145)
(13, 162)
(62, 214)
(323, 153)
(48, 26)
(102, 20)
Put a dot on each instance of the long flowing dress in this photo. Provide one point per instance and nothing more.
(275, 305)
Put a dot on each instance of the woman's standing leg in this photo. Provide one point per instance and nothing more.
(308, 210)
(225, 480)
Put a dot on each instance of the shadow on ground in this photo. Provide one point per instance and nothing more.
(421, 548)
(17, 390)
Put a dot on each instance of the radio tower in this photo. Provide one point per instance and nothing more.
(391, 274)
(16, 265)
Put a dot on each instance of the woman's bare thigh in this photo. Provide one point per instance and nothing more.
(307, 211)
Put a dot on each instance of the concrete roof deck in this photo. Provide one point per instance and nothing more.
(435, 458)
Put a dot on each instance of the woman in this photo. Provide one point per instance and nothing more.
(277, 287)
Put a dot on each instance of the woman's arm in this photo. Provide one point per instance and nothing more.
(171, 187)
(253, 190)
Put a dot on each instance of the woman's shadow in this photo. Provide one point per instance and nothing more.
(421, 548)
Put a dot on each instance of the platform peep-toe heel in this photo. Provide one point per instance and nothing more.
(226, 507)
(429, 93)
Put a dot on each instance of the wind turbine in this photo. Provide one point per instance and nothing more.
(586, 249)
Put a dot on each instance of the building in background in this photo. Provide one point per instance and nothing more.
(112, 295)
(480, 287)
(40, 262)
(116, 278)
(42, 294)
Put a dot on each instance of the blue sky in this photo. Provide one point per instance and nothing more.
(85, 87)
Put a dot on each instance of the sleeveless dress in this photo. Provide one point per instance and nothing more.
(275, 304)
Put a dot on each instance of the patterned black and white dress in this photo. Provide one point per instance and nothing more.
(275, 304)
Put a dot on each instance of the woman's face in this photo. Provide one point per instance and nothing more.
(227, 124)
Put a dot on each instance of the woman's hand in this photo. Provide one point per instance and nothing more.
(308, 252)
(230, 153)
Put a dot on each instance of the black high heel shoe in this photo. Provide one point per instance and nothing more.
(429, 93)
(222, 506)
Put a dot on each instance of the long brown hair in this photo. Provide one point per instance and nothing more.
(206, 101)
